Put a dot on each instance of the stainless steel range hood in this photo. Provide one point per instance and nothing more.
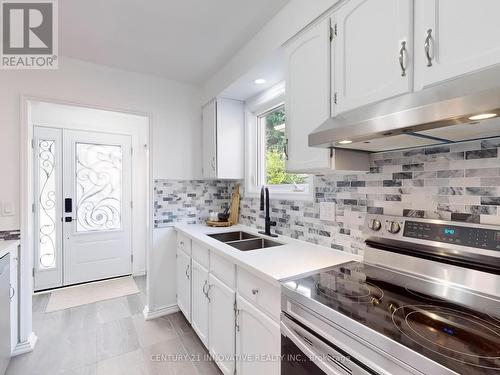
(436, 115)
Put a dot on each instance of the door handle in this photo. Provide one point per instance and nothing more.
(187, 271)
(12, 293)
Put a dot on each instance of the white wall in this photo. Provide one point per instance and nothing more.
(289, 21)
(175, 110)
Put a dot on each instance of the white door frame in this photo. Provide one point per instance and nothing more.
(27, 338)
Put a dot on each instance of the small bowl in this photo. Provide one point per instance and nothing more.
(223, 217)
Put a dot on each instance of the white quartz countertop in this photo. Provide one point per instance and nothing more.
(273, 263)
(7, 246)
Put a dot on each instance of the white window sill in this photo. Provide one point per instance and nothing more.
(306, 197)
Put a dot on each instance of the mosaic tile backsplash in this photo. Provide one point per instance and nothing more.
(451, 182)
(188, 201)
(10, 235)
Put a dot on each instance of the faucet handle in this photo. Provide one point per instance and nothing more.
(272, 223)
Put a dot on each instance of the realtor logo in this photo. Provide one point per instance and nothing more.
(29, 34)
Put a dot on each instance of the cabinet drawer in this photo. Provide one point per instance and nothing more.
(200, 254)
(263, 294)
(184, 243)
(224, 269)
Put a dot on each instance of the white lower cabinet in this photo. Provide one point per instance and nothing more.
(221, 316)
(14, 299)
(258, 338)
(184, 283)
(199, 301)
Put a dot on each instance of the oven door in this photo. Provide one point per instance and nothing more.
(303, 352)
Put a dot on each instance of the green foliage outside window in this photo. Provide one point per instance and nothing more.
(275, 151)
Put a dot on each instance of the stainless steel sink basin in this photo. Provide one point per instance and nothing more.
(257, 243)
(244, 241)
(232, 236)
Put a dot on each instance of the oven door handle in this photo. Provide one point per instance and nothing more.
(308, 351)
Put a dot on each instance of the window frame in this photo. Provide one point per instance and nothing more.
(255, 109)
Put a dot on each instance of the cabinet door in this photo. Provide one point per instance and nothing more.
(209, 134)
(307, 103)
(14, 299)
(199, 301)
(221, 325)
(367, 48)
(462, 36)
(256, 335)
(184, 283)
(230, 139)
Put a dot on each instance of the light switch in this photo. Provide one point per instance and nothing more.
(327, 211)
(7, 208)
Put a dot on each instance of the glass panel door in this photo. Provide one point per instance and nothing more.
(98, 187)
(47, 149)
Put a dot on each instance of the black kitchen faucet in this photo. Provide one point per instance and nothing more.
(268, 223)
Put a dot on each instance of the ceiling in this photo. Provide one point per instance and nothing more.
(271, 68)
(184, 40)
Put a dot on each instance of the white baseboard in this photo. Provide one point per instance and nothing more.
(149, 315)
(25, 346)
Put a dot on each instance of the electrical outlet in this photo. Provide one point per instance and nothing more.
(7, 208)
(327, 211)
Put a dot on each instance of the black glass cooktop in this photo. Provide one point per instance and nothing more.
(463, 335)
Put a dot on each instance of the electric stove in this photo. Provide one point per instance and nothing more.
(426, 299)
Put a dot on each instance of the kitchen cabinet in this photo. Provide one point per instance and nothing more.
(257, 335)
(307, 97)
(369, 39)
(221, 324)
(454, 37)
(199, 301)
(14, 298)
(223, 139)
(184, 283)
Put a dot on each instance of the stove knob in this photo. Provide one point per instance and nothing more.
(392, 227)
(374, 225)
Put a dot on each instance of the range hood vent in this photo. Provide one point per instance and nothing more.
(441, 114)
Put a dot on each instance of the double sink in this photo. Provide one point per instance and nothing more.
(244, 241)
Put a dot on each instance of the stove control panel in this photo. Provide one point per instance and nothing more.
(481, 238)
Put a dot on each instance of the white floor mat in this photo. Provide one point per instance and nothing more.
(84, 294)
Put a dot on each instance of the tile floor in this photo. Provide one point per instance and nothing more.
(112, 338)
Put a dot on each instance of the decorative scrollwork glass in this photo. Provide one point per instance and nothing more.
(98, 187)
(47, 204)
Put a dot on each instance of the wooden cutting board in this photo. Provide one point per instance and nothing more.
(234, 213)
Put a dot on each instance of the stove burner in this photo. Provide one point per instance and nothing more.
(422, 295)
(361, 292)
(453, 334)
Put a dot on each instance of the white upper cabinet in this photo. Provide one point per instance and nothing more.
(223, 139)
(454, 37)
(307, 102)
(373, 44)
(209, 163)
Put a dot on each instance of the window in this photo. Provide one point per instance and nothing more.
(266, 149)
(272, 155)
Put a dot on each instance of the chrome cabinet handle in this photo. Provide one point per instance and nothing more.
(285, 150)
(12, 293)
(187, 271)
(402, 58)
(255, 291)
(427, 47)
(208, 291)
(203, 289)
